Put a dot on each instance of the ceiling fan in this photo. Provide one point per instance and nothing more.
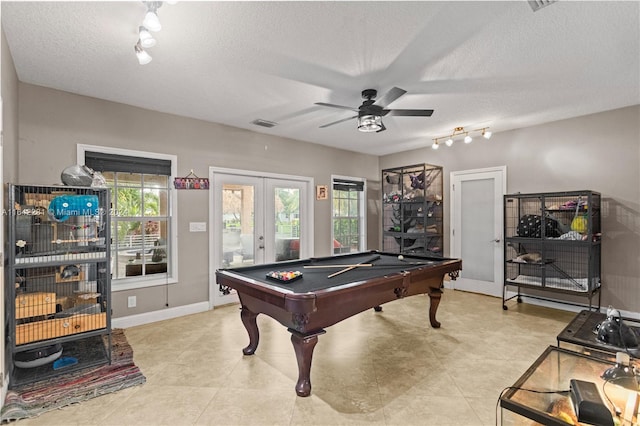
(370, 113)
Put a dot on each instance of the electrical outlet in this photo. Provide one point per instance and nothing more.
(131, 302)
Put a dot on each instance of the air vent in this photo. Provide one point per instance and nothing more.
(539, 4)
(264, 123)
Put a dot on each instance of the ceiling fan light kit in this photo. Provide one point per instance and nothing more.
(459, 131)
(369, 123)
(370, 113)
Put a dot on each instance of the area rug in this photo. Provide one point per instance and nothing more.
(33, 399)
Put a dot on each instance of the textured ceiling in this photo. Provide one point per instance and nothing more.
(477, 64)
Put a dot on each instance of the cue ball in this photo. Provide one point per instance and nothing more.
(400, 257)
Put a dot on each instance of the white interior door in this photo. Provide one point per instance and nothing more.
(256, 219)
(477, 227)
(3, 377)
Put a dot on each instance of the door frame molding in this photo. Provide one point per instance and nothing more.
(453, 177)
(307, 214)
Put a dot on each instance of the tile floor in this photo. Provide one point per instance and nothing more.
(387, 368)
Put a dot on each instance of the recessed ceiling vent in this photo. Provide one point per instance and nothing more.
(264, 123)
(539, 4)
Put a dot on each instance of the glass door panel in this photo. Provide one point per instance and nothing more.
(286, 216)
(238, 225)
(256, 220)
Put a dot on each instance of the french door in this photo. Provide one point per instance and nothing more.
(255, 219)
(477, 227)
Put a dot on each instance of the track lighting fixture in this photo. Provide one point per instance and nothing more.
(143, 57)
(459, 131)
(150, 23)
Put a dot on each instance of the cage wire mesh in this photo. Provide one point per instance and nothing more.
(549, 240)
(60, 261)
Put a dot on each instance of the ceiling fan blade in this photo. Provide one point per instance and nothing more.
(411, 112)
(337, 106)
(339, 121)
(390, 96)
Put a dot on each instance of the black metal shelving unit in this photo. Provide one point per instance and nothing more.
(412, 210)
(58, 280)
(552, 243)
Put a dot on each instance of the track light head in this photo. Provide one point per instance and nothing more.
(143, 57)
(151, 21)
(146, 39)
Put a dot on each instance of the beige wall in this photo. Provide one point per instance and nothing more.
(9, 91)
(52, 123)
(600, 152)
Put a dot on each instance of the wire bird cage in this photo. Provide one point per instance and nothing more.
(552, 243)
(58, 274)
(412, 210)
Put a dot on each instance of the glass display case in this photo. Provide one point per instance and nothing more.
(582, 335)
(542, 394)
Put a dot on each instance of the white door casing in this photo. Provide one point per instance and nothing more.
(477, 228)
(264, 185)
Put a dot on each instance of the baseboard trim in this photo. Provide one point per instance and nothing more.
(548, 303)
(154, 316)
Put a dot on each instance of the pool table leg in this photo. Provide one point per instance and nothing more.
(435, 294)
(303, 345)
(249, 321)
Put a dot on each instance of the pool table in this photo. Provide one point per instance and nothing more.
(330, 290)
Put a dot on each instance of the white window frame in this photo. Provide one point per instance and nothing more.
(362, 238)
(122, 284)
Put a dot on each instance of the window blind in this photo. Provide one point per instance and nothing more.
(104, 162)
(348, 185)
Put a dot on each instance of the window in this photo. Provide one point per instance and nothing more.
(143, 244)
(348, 215)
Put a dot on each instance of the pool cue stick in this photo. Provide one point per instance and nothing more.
(336, 266)
(353, 267)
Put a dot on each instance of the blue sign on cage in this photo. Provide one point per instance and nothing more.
(64, 206)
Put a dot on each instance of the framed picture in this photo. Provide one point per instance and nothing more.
(322, 192)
